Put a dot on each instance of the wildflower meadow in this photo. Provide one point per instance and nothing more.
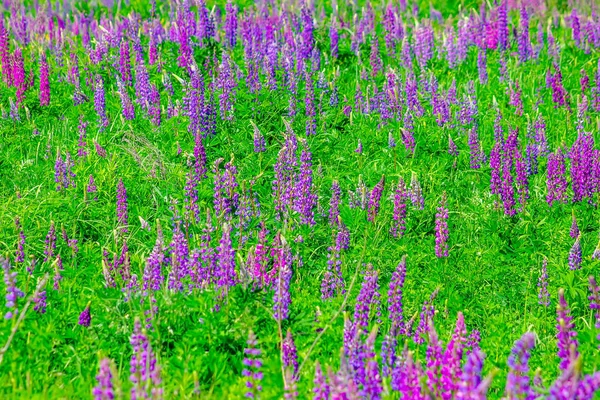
(303, 199)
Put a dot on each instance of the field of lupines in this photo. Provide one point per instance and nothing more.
(300, 199)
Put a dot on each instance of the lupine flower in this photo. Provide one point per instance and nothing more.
(575, 255)
(39, 302)
(305, 195)
(50, 246)
(122, 213)
(290, 354)
(395, 307)
(367, 298)
(566, 334)
(426, 316)
(556, 181)
(230, 24)
(104, 390)
(452, 148)
(441, 229)
(44, 82)
(85, 317)
(334, 204)
(359, 148)
(125, 62)
(374, 199)
(543, 295)
(574, 232)
(321, 389)
(416, 193)
(145, 371)
(259, 140)
(92, 188)
(225, 272)
(252, 367)
(517, 382)
(13, 293)
(471, 385)
(282, 266)
(100, 103)
(400, 203)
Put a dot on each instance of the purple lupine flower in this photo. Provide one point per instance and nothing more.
(407, 377)
(5, 54)
(100, 103)
(39, 301)
(289, 354)
(594, 299)
(20, 253)
(226, 83)
(81, 144)
(333, 279)
(408, 137)
(367, 298)
(50, 244)
(104, 390)
(125, 63)
(543, 295)
(359, 147)
(59, 172)
(334, 38)
(260, 145)
(441, 229)
(144, 371)
(92, 188)
(503, 33)
(375, 57)
(556, 182)
(523, 42)
(425, 317)
(226, 197)
(13, 293)
(434, 362)
(18, 76)
(482, 66)
(400, 204)
(321, 389)
(85, 318)
(476, 155)
(471, 385)
(517, 381)
(395, 308)
(126, 104)
(560, 97)
(252, 367)
(44, 82)
(576, 27)
(575, 255)
(566, 334)
(374, 199)
(450, 363)
(282, 266)
(574, 231)
(309, 105)
(122, 212)
(452, 148)
(142, 84)
(179, 258)
(225, 269)
(231, 24)
(582, 161)
(304, 191)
